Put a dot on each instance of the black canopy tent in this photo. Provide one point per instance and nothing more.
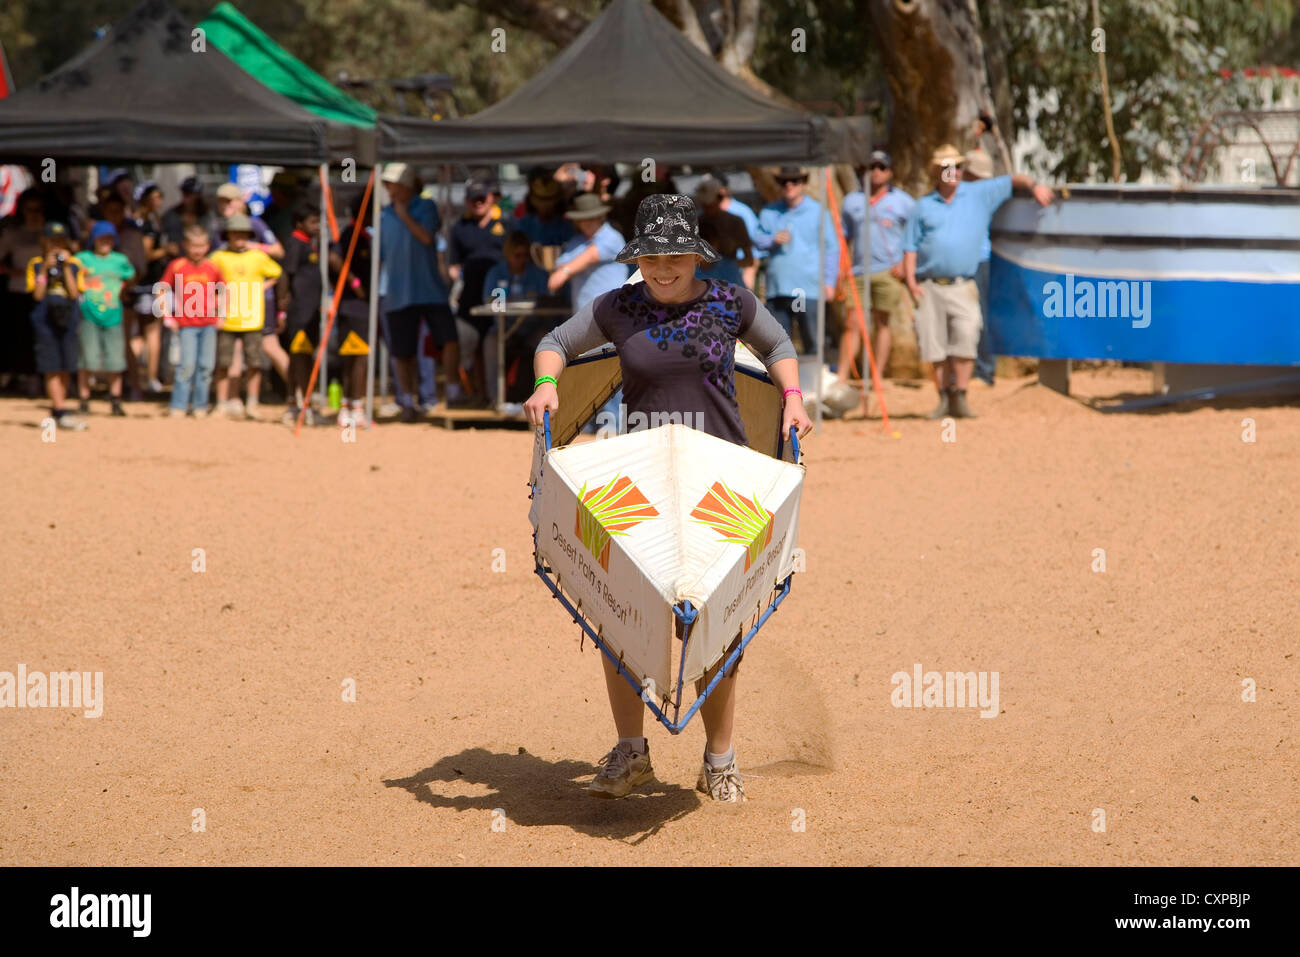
(153, 90)
(144, 92)
(631, 86)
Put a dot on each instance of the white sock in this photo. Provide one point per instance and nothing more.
(719, 761)
(639, 745)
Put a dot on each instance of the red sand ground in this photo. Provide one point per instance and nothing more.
(1119, 690)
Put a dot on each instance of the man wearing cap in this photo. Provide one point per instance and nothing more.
(473, 248)
(415, 292)
(885, 214)
(979, 165)
(941, 252)
(589, 263)
(796, 279)
(725, 232)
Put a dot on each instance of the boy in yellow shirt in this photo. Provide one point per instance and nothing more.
(245, 273)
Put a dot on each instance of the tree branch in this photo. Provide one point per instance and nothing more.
(548, 18)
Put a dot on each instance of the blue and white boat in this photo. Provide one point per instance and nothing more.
(1205, 275)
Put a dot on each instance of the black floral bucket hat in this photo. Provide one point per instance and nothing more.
(667, 224)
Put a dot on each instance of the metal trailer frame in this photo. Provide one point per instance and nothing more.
(686, 615)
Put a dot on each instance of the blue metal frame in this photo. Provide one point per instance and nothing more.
(686, 613)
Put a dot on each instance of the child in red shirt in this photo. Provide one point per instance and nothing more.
(191, 284)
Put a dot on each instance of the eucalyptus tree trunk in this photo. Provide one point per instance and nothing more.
(933, 57)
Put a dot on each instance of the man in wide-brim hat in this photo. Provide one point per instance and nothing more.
(941, 254)
(588, 263)
(676, 336)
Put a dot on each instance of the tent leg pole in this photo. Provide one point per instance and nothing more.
(375, 345)
(325, 299)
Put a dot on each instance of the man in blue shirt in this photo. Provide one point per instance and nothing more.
(416, 292)
(885, 216)
(788, 231)
(588, 264)
(941, 254)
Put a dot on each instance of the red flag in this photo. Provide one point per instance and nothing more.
(6, 81)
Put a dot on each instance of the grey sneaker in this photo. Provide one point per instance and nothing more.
(70, 422)
(724, 785)
(622, 770)
(958, 405)
(942, 409)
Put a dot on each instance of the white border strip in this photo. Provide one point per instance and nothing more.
(1000, 248)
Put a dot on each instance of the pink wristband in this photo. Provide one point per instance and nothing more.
(787, 392)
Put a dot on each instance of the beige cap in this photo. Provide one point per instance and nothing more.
(229, 191)
(979, 164)
(402, 173)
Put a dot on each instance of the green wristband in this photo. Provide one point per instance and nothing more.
(546, 378)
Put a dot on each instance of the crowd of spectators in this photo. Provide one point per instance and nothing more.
(87, 293)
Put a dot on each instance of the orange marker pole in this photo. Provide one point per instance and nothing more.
(338, 297)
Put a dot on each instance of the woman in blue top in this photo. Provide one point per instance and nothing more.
(675, 335)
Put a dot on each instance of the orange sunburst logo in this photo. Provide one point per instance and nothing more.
(607, 511)
(736, 518)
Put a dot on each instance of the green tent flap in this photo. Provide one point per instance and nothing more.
(239, 38)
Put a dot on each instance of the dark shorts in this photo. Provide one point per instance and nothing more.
(303, 333)
(54, 324)
(252, 349)
(353, 323)
(404, 327)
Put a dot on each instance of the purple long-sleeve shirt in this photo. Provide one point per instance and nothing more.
(677, 358)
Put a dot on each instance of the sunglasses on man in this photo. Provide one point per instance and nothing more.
(788, 181)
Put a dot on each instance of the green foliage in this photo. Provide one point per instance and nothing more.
(1163, 60)
(1163, 57)
(397, 38)
(839, 74)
